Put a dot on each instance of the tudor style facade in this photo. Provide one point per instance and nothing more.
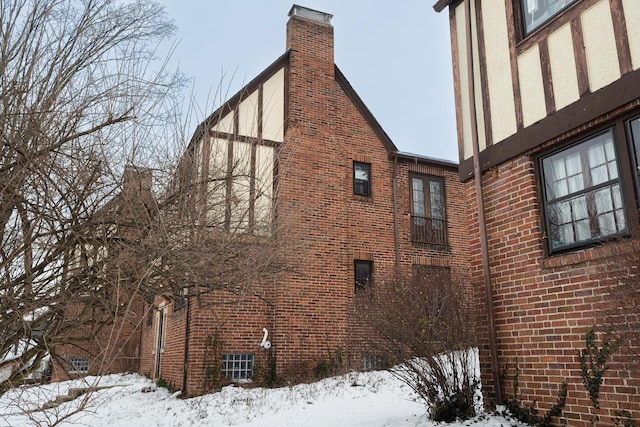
(548, 115)
(313, 158)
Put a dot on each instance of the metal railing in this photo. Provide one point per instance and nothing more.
(429, 230)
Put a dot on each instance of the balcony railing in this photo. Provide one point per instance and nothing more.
(429, 230)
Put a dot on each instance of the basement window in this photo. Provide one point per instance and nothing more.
(237, 366)
(79, 365)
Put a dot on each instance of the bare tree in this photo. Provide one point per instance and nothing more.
(80, 98)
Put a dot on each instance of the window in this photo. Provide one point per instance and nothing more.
(582, 193)
(634, 140)
(428, 222)
(361, 179)
(537, 12)
(79, 365)
(363, 272)
(372, 362)
(237, 367)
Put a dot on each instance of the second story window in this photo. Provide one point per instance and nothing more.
(537, 12)
(428, 221)
(361, 179)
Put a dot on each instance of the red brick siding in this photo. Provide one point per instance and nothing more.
(543, 306)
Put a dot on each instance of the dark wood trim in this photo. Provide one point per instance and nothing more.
(482, 66)
(547, 78)
(366, 113)
(441, 4)
(455, 62)
(573, 118)
(235, 100)
(580, 56)
(622, 38)
(228, 185)
(512, 31)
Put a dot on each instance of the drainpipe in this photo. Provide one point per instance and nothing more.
(484, 247)
(395, 211)
(186, 344)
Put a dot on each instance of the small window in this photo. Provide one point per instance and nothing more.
(363, 272)
(582, 193)
(372, 362)
(537, 12)
(79, 365)
(237, 367)
(428, 222)
(361, 179)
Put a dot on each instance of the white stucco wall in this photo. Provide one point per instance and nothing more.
(632, 15)
(600, 45)
(500, 84)
(225, 124)
(248, 115)
(563, 67)
(461, 24)
(273, 107)
(531, 86)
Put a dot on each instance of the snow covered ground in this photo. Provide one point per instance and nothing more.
(373, 399)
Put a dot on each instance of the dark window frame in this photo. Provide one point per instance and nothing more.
(360, 282)
(630, 193)
(426, 227)
(362, 187)
(520, 14)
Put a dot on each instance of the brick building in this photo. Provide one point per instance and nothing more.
(314, 159)
(99, 332)
(548, 117)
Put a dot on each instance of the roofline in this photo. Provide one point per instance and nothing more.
(441, 4)
(229, 105)
(417, 158)
(366, 113)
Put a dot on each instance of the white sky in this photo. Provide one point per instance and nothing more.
(396, 55)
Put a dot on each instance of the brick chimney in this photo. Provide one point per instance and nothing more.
(310, 35)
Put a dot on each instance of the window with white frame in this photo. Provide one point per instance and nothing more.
(537, 12)
(79, 365)
(237, 366)
(582, 193)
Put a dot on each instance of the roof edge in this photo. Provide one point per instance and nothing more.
(228, 105)
(417, 158)
(441, 4)
(366, 113)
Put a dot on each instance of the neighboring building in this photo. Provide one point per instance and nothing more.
(100, 330)
(548, 93)
(314, 159)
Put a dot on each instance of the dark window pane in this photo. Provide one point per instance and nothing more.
(362, 271)
(361, 179)
(583, 201)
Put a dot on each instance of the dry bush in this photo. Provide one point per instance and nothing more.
(419, 323)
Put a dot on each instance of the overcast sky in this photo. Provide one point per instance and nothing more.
(396, 55)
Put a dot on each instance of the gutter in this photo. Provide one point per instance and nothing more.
(187, 329)
(395, 211)
(484, 247)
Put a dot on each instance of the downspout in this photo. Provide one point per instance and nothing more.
(484, 247)
(186, 345)
(395, 211)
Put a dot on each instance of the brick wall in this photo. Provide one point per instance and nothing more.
(543, 305)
